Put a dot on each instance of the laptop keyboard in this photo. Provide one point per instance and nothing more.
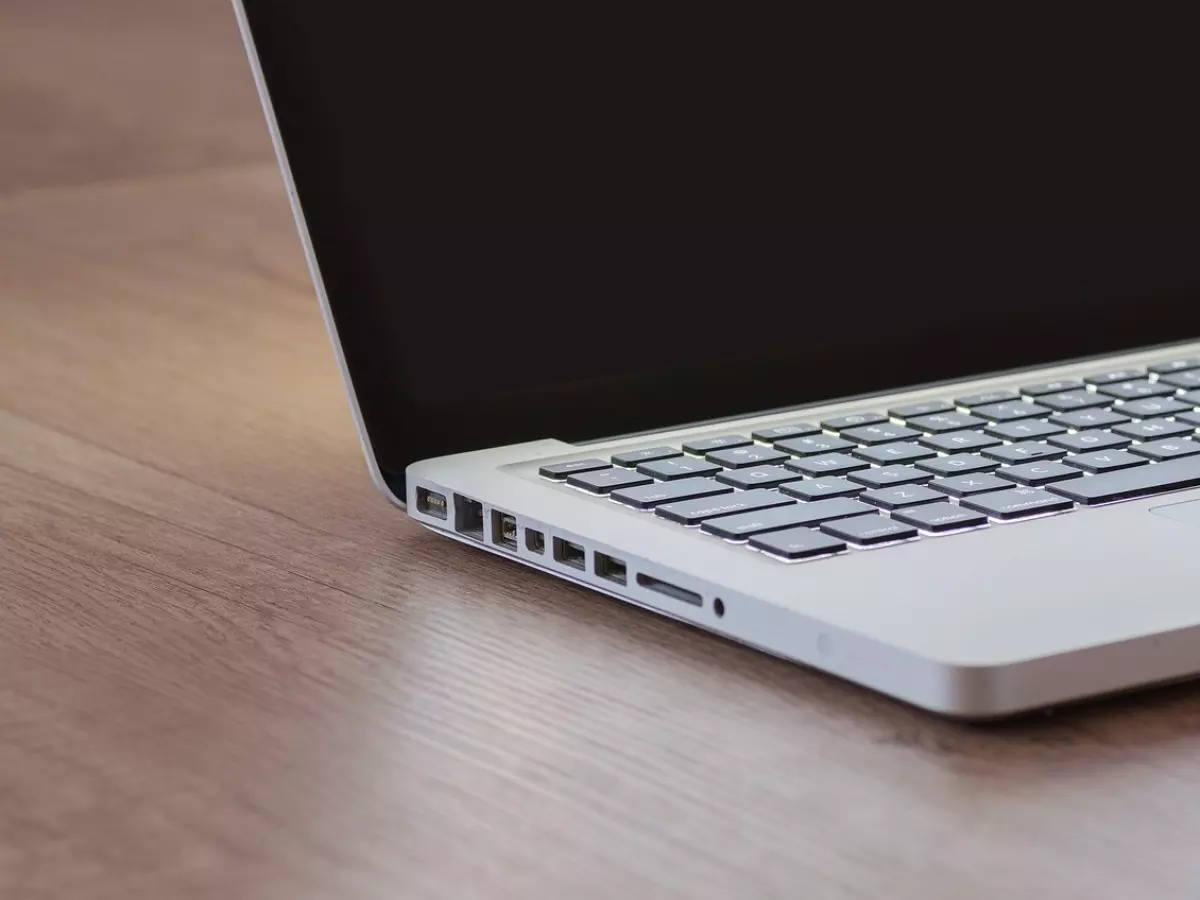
(814, 489)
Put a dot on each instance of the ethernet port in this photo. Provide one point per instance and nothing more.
(468, 517)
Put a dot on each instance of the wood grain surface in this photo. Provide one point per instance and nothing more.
(228, 668)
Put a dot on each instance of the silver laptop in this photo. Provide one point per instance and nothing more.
(955, 464)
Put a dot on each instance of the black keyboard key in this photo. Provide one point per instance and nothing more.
(631, 458)
(867, 531)
(1029, 451)
(1085, 419)
(1051, 387)
(1145, 481)
(1185, 380)
(1136, 390)
(1153, 429)
(829, 464)
(1192, 418)
(1067, 401)
(682, 467)
(1168, 449)
(758, 476)
(829, 510)
(560, 471)
(744, 525)
(651, 495)
(960, 441)
(1019, 503)
(958, 464)
(972, 400)
(1036, 474)
(1115, 377)
(886, 476)
(902, 496)
(820, 488)
(793, 516)
(925, 408)
(1153, 409)
(744, 457)
(941, 423)
(879, 434)
(693, 512)
(1025, 430)
(938, 518)
(1191, 398)
(1010, 412)
(701, 446)
(814, 445)
(1088, 441)
(888, 454)
(1177, 365)
(1105, 461)
(798, 543)
(779, 432)
(969, 485)
(837, 423)
(605, 481)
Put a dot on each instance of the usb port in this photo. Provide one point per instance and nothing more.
(504, 530)
(468, 517)
(610, 569)
(569, 554)
(431, 503)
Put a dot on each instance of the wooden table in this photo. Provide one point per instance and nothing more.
(229, 669)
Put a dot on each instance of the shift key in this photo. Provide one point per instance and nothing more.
(693, 512)
(651, 495)
(800, 514)
(1127, 484)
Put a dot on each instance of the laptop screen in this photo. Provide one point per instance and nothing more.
(482, 302)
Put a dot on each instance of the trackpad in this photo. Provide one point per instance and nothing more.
(1188, 513)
